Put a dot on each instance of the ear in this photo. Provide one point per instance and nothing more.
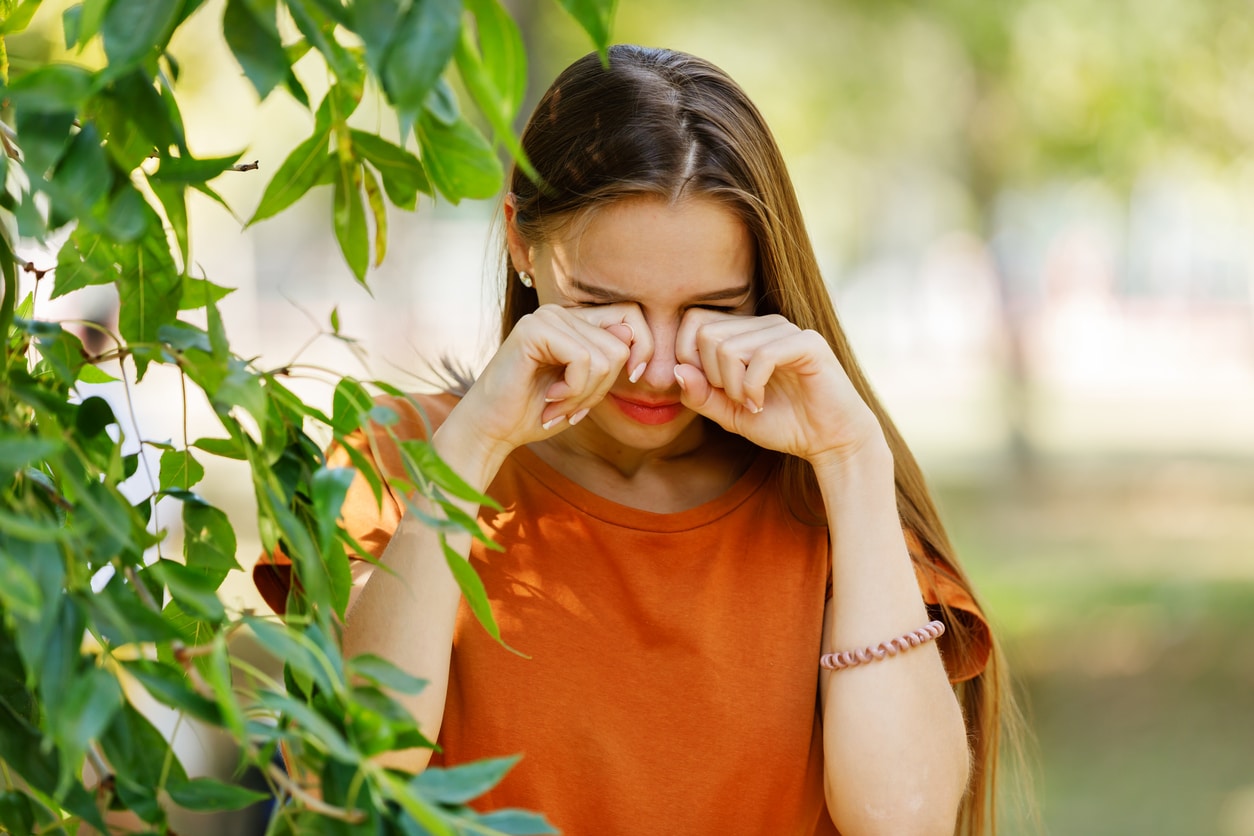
(519, 251)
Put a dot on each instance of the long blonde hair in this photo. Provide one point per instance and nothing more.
(667, 124)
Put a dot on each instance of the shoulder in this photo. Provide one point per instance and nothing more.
(417, 414)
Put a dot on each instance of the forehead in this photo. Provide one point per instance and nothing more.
(647, 246)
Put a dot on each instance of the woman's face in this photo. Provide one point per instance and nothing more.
(666, 258)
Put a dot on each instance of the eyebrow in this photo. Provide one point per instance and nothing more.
(602, 294)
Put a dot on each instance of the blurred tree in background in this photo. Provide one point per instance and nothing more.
(97, 160)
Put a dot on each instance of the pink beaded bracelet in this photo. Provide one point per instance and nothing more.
(850, 658)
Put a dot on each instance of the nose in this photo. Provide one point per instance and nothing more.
(659, 374)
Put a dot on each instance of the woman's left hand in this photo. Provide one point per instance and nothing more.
(780, 387)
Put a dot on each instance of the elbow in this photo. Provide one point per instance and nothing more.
(919, 798)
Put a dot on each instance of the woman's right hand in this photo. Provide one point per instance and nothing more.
(556, 364)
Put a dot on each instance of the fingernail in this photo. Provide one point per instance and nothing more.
(680, 380)
(636, 372)
(552, 422)
(553, 400)
(578, 416)
(752, 407)
(632, 330)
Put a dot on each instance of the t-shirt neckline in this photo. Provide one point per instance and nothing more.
(575, 495)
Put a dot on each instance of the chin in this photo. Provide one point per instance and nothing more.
(633, 434)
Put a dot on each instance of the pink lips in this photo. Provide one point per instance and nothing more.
(648, 413)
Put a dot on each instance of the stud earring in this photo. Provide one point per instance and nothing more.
(525, 278)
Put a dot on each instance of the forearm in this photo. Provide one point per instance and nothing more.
(408, 614)
(894, 740)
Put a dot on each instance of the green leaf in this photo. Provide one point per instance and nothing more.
(91, 701)
(52, 88)
(182, 336)
(192, 170)
(17, 812)
(421, 48)
(86, 23)
(496, 104)
(94, 374)
(459, 784)
(402, 173)
(227, 448)
(127, 214)
(205, 794)
(216, 670)
(86, 258)
(434, 468)
(19, 593)
(374, 21)
(330, 486)
(297, 175)
(173, 197)
(459, 160)
(197, 293)
(64, 353)
(253, 37)
(319, 29)
(241, 388)
(595, 17)
(149, 290)
(134, 30)
(298, 651)
(310, 725)
(17, 451)
(504, 54)
(45, 136)
(122, 618)
(350, 404)
(19, 18)
(92, 416)
(517, 823)
(442, 103)
(140, 755)
(350, 219)
(307, 561)
(179, 469)
(83, 175)
(368, 470)
(23, 750)
(170, 686)
(208, 539)
(374, 199)
(385, 674)
(191, 588)
(472, 589)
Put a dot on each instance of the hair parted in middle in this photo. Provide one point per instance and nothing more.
(668, 125)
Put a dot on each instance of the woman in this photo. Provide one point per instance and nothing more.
(700, 499)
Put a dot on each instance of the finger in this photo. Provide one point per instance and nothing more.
(625, 321)
(738, 352)
(586, 384)
(696, 393)
(801, 351)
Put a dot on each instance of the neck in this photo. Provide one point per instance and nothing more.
(699, 465)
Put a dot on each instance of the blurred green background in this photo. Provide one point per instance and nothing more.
(1037, 220)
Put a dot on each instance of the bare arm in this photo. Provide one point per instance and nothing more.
(408, 615)
(422, 588)
(894, 741)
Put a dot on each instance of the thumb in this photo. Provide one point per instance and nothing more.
(696, 393)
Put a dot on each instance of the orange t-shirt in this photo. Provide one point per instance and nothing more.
(673, 674)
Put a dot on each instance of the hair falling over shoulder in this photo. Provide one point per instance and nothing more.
(670, 125)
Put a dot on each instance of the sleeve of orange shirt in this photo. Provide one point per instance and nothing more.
(943, 591)
(367, 520)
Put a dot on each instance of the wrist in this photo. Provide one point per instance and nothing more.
(472, 457)
(868, 459)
